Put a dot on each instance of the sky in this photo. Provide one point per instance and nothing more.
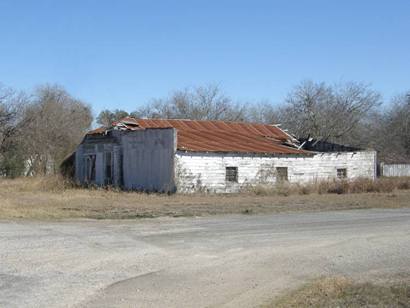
(121, 54)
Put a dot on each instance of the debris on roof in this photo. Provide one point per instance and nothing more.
(126, 123)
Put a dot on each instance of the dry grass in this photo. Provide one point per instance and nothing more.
(54, 198)
(342, 292)
(360, 185)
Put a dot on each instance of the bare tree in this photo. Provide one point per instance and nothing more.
(393, 131)
(200, 103)
(262, 112)
(12, 104)
(326, 112)
(55, 122)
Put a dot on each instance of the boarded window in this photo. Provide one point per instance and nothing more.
(108, 168)
(282, 174)
(341, 173)
(232, 174)
(90, 169)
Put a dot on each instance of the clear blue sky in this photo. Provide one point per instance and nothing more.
(119, 54)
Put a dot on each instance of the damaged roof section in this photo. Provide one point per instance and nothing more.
(217, 136)
(317, 145)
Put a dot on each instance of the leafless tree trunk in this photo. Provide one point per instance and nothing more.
(325, 112)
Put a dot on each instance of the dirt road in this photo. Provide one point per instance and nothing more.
(225, 261)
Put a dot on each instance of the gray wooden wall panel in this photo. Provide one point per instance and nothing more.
(392, 170)
(117, 166)
(148, 159)
(79, 168)
(99, 167)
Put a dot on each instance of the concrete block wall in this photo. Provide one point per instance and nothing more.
(206, 171)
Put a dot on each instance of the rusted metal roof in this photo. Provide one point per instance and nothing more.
(218, 136)
(252, 129)
(227, 141)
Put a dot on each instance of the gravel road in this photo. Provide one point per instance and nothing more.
(229, 261)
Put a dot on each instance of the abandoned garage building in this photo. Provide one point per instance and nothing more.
(212, 156)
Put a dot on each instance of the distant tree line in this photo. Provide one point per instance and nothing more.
(39, 130)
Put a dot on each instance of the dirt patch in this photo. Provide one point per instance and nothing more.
(32, 199)
(342, 292)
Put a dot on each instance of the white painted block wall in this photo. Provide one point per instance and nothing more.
(206, 171)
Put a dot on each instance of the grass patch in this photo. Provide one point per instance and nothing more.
(342, 292)
(54, 198)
